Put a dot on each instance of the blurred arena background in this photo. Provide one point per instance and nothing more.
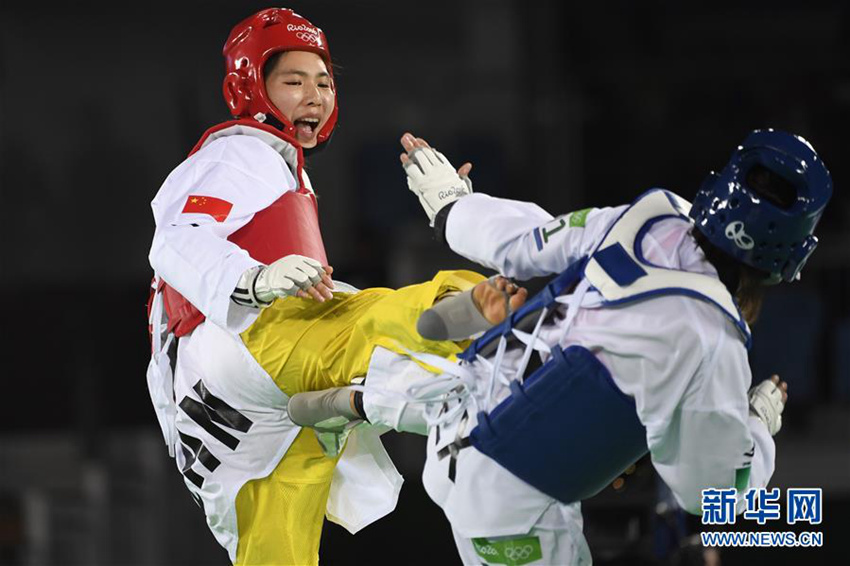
(565, 104)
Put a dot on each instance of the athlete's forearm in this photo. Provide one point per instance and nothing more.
(201, 266)
(520, 239)
(496, 233)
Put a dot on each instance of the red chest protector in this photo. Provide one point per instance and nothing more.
(290, 225)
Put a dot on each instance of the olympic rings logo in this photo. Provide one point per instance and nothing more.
(518, 552)
(735, 232)
(307, 37)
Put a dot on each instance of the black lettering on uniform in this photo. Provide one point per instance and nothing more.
(194, 450)
(443, 409)
(214, 410)
(197, 499)
(194, 477)
(206, 414)
(455, 447)
(198, 452)
(547, 232)
(222, 412)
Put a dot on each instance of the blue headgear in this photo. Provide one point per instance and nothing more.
(748, 227)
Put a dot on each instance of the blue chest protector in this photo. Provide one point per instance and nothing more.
(567, 429)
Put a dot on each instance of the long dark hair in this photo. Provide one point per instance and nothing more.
(742, 281)
(746, 283)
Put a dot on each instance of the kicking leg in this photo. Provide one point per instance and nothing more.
(491, 301)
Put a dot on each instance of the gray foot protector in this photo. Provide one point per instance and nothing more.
(314, 407)
(454, 318)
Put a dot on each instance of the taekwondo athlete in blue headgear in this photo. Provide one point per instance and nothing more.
(640, 338)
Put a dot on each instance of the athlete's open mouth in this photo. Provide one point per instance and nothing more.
(307, 126)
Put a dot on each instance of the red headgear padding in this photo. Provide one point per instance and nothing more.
(247, 49)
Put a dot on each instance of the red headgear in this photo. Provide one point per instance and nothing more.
(250, 45)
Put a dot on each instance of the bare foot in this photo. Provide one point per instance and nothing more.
(491, 297)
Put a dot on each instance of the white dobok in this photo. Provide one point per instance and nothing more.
(682, 359)
(249, 169)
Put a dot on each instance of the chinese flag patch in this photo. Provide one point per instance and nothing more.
(215, 207)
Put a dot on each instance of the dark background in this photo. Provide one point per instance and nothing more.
(565, 104)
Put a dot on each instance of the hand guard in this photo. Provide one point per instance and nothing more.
(259, 286)
(766, 403)
(434, 180)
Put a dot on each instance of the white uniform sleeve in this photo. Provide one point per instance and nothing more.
(520, 239)
(764, 455)
(713, 442)
(190, 251)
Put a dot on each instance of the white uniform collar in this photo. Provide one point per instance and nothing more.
(288, 148)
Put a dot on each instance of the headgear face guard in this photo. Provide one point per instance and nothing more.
(749, 227)
(246, 51)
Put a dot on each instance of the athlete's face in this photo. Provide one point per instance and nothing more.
(301, 88)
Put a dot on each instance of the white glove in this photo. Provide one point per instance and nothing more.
(434, 180)
(766, 403)
(259, 286)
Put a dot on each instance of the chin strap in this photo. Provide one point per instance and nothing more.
(270, 120)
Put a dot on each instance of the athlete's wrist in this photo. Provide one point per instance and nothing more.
(441, 219)
(246, 291)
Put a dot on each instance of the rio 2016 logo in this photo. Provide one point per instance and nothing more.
(513, 552)
(306, 34)
(735, 232)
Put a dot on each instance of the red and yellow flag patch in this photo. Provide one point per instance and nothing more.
(215, 207)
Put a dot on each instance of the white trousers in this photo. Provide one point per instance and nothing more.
(496, 518)
(557, 535)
